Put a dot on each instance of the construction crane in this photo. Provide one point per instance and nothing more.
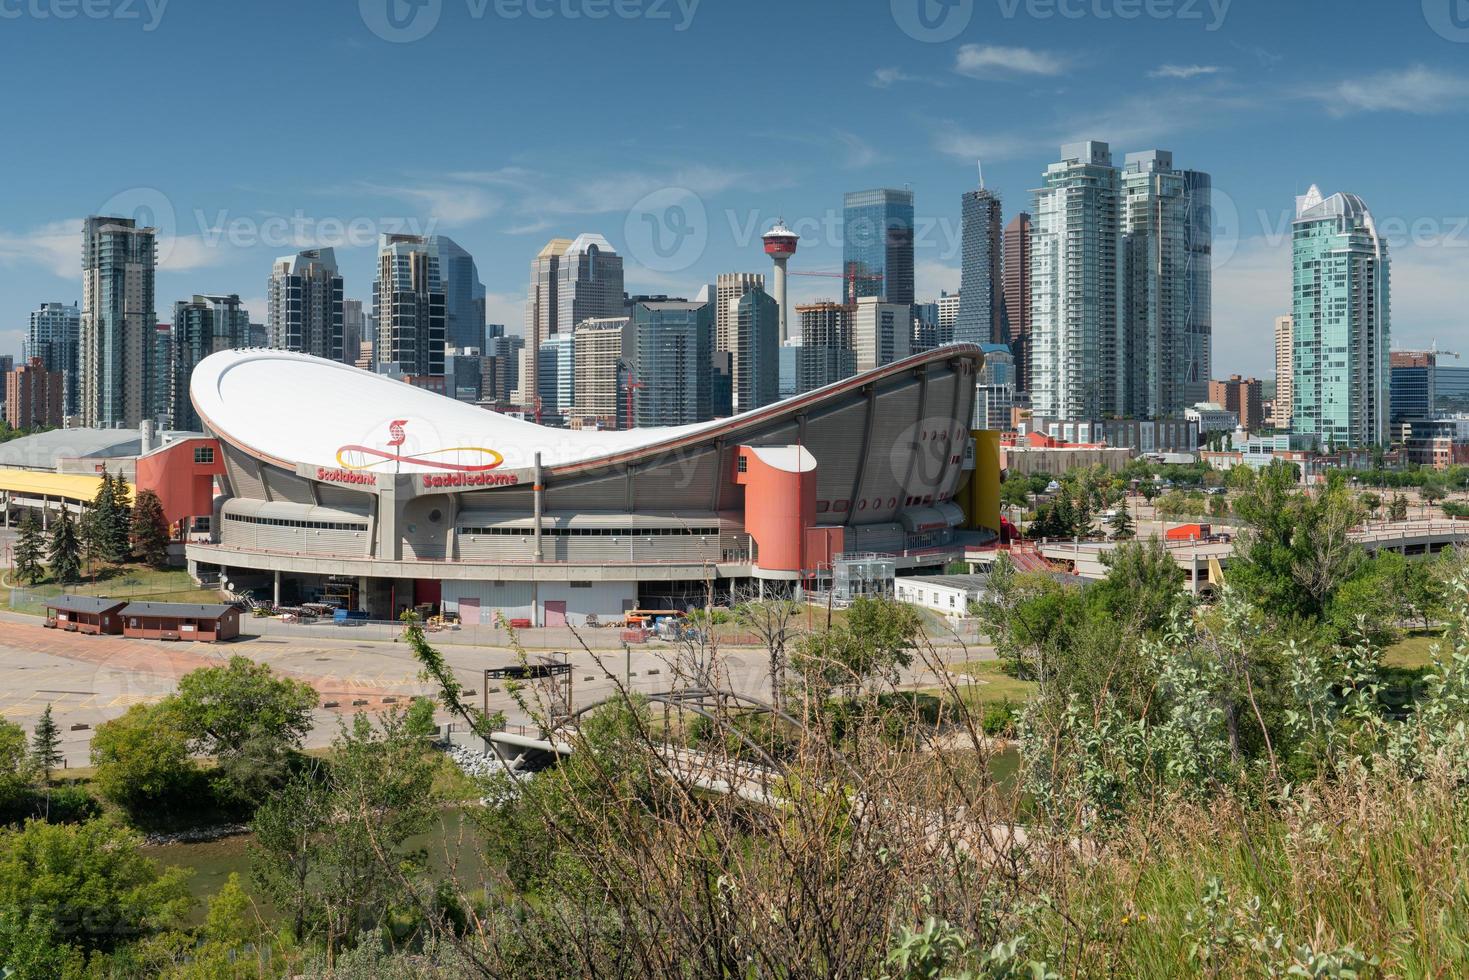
(852, 276)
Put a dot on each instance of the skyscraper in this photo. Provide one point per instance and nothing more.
(408, 300)
(1076, 265)
(881, 332)
(305, 310)
(464, 294)
(589, 283)
(556, 386)
(541, 316)
(116, 361)
(877, 244)
(1164, 359)
(981, 293)
(34, 396)
(747, 326)
(1341, 290)
(1284, 371)
(1017, 295)
(600, 372)
(201, 326)
(826, 355)
(667, 349)
(355, 328)
(55, 338)
(948, 305)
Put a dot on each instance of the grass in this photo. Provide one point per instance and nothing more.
(120, 582)
(986, 680)
(1413, 650)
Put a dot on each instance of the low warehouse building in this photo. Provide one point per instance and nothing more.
(85, 614)
(180, 621)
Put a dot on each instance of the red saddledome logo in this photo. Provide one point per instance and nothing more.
(456, 459)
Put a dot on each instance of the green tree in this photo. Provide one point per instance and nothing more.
(65, 553)
(320, 842)
(105, 522)
(46, 745)
(1433, 493)
(150, 529)
(1397, 510)
(142, 759)
(15, 766)
(248, 719)
(877, 639)
(1219, 505)
(70, 890)
(1373, 503)
(29, 547)
(123, 521)
(1121, 525)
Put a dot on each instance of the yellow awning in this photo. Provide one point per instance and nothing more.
(30, 483)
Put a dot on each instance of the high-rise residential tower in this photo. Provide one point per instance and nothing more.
(55, 338)
(1017, 295)
(981, 283)
(877, 245)
(1284, 371)
(355, 328)
(1076, 265)
(408, 301)
(116, 359)
(1166, 330)
(948, 305)
(601, 374)
(202, 326)
(464, 294)
(305, 310)
(826, 354)
(556, 386)
(667, 348)
(1341, 324)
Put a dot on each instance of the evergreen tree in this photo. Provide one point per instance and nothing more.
(28, 549)
(65, 555)
(102, 521)
(46, 745)
(150, 529)
(1121, 525)
(122, 501)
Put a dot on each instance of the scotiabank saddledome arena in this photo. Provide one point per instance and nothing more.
(346, 486)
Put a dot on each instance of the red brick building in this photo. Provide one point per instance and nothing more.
(33, 396)
(1244, 397)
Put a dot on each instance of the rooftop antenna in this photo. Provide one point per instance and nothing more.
(981, 173)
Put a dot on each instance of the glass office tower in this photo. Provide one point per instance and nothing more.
(877, 245)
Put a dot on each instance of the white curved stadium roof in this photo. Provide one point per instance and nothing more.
(295, 408)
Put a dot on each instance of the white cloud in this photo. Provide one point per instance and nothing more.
(859, 152)
(508, 309)
(1418, 90)
(451, 205)
(55, 246)
(988, 61)
(888, 77)
(931, 278)
(1184, 71)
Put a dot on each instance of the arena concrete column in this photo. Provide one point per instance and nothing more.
(276, 592)
(389, 517)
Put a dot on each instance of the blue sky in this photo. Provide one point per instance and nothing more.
(249, 129)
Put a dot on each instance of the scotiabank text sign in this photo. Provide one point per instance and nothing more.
(455, 480)
(350, 477)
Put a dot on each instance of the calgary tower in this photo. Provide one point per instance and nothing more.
(780, 245)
